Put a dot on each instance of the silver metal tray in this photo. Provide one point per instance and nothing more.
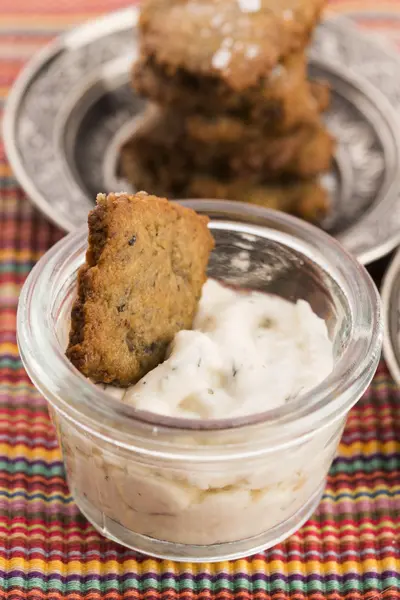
(72, 106)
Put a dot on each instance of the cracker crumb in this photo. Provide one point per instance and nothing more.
(221, 58)
(217, 20)
(252, 51)
(227, 28)
(227, 43)
(288, 15)
(249, 6)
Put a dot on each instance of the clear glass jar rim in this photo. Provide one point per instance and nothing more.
(347, 381)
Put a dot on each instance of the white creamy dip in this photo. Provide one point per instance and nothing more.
(248, 352)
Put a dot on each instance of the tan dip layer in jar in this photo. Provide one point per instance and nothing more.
(228, 474)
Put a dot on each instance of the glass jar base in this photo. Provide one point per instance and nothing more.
(185, 553)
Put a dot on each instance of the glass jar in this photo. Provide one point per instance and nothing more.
(207, 490)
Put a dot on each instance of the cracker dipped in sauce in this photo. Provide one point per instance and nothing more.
(141, 283)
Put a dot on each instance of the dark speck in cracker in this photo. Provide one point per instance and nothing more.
(132, 240)
(129, 340)
(150, 349)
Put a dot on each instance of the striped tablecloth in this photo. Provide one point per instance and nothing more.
(349, 549)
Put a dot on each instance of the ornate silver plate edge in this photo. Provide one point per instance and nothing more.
(92, 30)
(76, 37)
(390, 293)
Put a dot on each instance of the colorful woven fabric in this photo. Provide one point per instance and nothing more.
(349, 549)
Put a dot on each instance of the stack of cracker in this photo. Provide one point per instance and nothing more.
(233, 114)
